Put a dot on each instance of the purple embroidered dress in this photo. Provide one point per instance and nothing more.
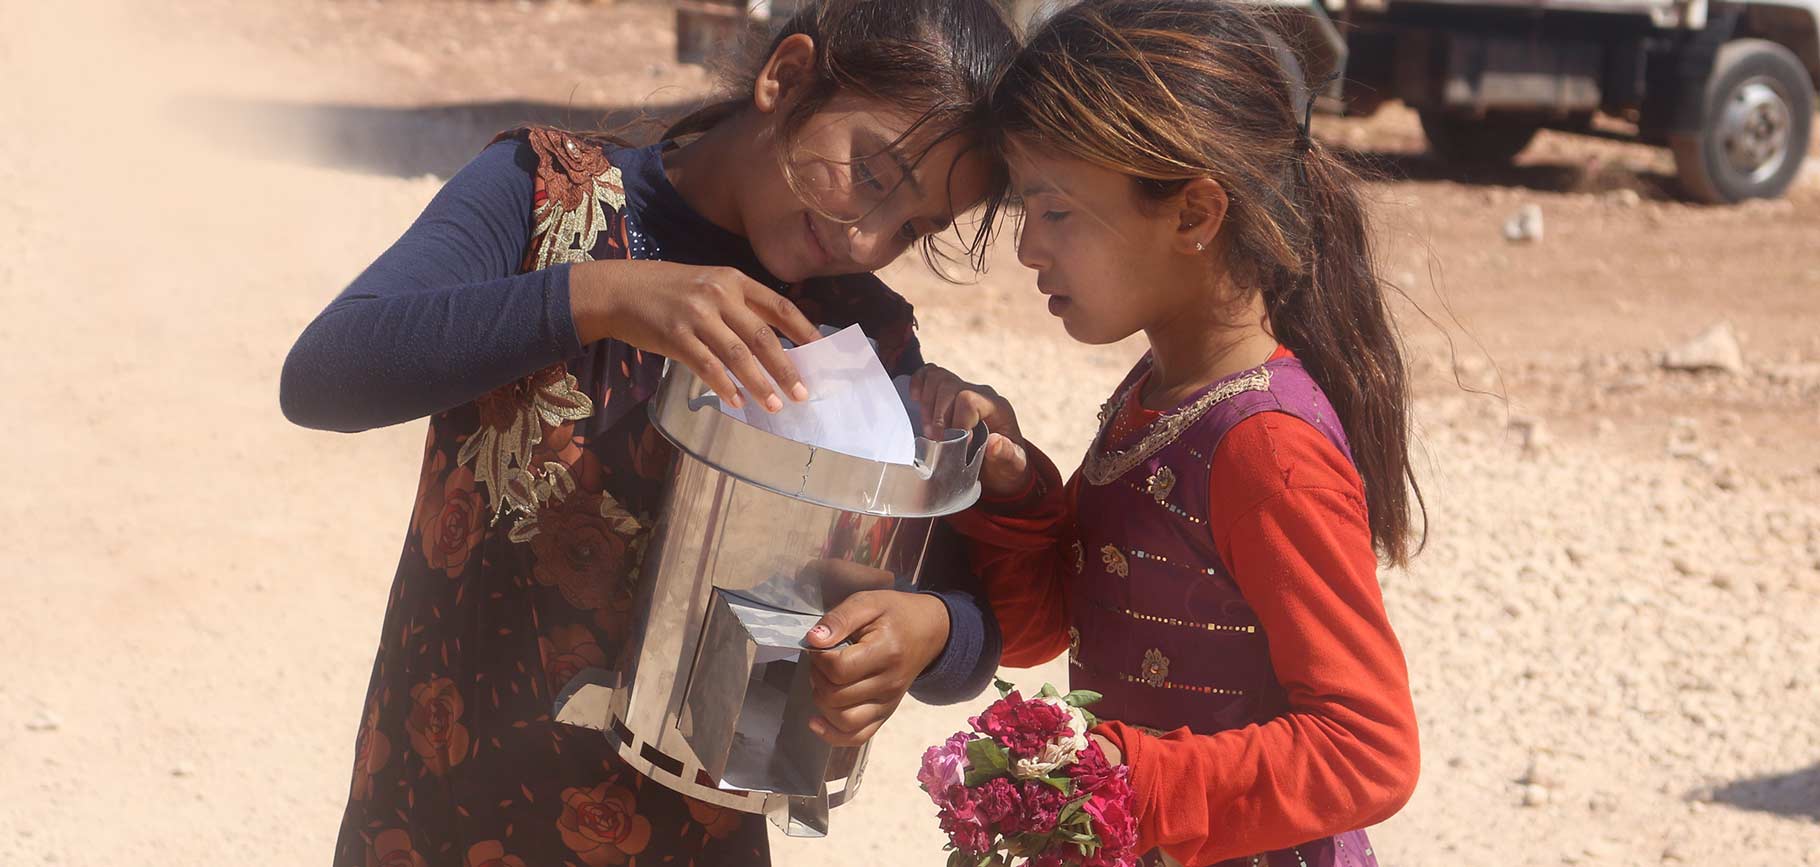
(1154, 620)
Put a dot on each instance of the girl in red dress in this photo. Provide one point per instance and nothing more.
(1211, 569)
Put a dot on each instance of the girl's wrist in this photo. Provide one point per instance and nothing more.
(1013, 491)
(593, 300)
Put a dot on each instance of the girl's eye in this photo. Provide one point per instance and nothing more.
(866, 178)
(908, 232)
(1055, 216)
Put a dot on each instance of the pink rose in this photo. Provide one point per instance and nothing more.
(1113, 824)
(944, 765)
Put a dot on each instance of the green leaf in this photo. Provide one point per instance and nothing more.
(1064, 785)
(1026, 845)
(1081, 698)
(1048, 691)
(985, 760)
(957, 858)
(1088, 717)
(976, 776)
(1004, 687)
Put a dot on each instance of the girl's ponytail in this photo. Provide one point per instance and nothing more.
(1334, 317)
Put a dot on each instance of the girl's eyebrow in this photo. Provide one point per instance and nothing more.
(1038, 189)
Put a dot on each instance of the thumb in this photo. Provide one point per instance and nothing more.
(844, 621)
(1007, 465)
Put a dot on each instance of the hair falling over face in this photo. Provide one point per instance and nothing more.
(1168, 91)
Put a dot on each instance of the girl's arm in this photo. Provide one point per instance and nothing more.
(442, 316)
(1016, 531)
(971, 655)
(1017, 545)
(1291, 526)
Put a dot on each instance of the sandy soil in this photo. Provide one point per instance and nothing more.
(1614, 632)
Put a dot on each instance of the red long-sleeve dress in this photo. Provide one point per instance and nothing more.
(1254, 684)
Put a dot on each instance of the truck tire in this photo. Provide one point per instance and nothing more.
(1756, 120)
(1486, 142)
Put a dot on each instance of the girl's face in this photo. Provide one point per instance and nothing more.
(1110, 262)
(860, 200)
(866, 201)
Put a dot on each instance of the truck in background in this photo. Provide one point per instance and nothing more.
(1727, 85)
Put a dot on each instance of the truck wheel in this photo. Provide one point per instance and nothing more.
(1489, 141)
(1754, 128)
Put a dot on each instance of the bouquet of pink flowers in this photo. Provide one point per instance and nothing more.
(1026, 783)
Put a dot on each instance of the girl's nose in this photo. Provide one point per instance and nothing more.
(1029, 250)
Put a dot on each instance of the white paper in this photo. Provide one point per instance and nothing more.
(854, 408)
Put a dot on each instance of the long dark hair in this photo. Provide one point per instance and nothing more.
(1167, 91)
(938, 58)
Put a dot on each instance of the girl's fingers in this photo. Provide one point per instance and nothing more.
(780, 313)
(737, 357)
(1007, 468)
(831, 697)
(1009, 459)
(971, 408)
(761, 338)
(852, 664)
(851, 715)
(933, 382)
(711, 372)
(945, 393)
(916, 381)
(827, 732)
(925, 397)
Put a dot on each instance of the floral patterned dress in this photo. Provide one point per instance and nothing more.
(532, 511)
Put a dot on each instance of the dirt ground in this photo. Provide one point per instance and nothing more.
(1614, 632)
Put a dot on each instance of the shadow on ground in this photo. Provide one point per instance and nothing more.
(1545, 177)
(400, 141)
(412, 141)
(1796, 793)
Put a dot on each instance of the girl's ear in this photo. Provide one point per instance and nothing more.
(791, 67)
(1203, 212)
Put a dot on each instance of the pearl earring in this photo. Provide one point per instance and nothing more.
(1200, 247)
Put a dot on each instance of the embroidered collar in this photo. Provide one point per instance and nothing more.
(1102, 466)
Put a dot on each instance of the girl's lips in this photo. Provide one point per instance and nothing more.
(816, 247)
(1057, 304)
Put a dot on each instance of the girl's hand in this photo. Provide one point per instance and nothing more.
(714, 320)
(1107, 748)
(951, 402)
(895, 637)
